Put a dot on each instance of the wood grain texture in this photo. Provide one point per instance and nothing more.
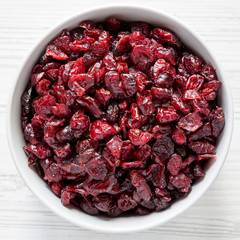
(215, 216)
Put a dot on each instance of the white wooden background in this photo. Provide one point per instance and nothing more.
(215, 216)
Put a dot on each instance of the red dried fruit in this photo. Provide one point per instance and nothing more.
(61, 110)
(202, 132)
(79, 123)
(174, 164)
(163, 36)
(202, 147)
(156, 174)
(127, 114)
(180, 181)
(100, 130)
(97, 168)
(193, 63)
(178, 136)
(126, 202)
(140, 183)
(142, 57)
(163, 148)
(178, 103)
(114, 85)
(217, 121)
(161, 93)
(195, 82)
(112, 24)
(115, 146)
(138, 137)
(145, 103)
(53, 51)
(166, 115)
(40, 150)
(160, 131)
(190, 122)
(103, 96)
(209, 73)
(44, 106)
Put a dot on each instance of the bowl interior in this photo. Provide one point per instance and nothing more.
(38, 186)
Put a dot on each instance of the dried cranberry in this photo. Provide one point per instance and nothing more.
(120, 117)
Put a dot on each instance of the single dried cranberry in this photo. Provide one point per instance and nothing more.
(145, 103)
(190, 122)
(157, 176)
(178, 136)
(174, 164)
(209, 73)
(126, 202)
(202, 147)
(140, 183)
(115, 146)
(161, 93)
(163, 148)
(103, 96)
(137, 137)
(163, 36)
(53, 51)
(166, 115)
(100, 130)
(217, 121)
(97, 168)
(142, 57)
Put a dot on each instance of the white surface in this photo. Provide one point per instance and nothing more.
(216, 215)
(40, 189)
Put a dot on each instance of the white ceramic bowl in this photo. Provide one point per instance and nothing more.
(40, 188)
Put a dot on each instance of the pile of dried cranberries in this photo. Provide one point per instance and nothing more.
(120, 117)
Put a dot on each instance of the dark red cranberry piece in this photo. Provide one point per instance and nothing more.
(79, 123)
(195, 82)
(209, 73)
(129, 84)
(39, 149)
(61, 110)
(163, 148)
(140, 183)
(163, 36)
(174, 164)
(202, 132)
(180, 181)
(115, 146)
(91, 104)
(143, 27)
(202, 147)
(145, 103)
(112, 24)
(100, 130)
(44, 105)
(156, 174)
(193, 63)
(142, 57)
(126, 202)
(190, 122)
(161, 93)
(103, 96)
(166, 115)
(53, 51)
(217, 121)
(114, 85)
(97, 168)
(138, 137)
(178, 136)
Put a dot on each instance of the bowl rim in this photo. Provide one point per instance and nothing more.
(10, 131)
